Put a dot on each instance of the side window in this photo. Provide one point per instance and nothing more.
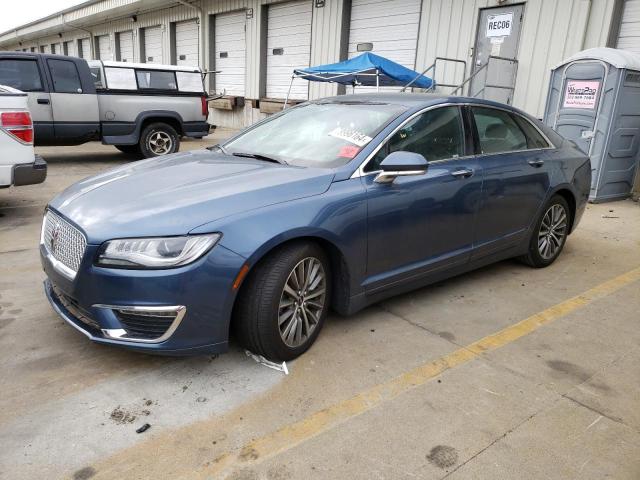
(65, 76)
(21, 74)
(498, 131)
(156, 79)
(534, 138)
(436, 134)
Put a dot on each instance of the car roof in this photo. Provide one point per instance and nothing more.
(411, 100)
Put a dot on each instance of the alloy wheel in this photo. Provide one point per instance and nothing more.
(302, 302)
(160, 143)
(553, 231)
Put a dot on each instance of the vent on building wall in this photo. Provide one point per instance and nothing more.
(278, 51)
(224, 54)
(364, 47)
(149, 59)
(183, 57)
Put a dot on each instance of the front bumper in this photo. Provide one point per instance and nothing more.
(93, 301)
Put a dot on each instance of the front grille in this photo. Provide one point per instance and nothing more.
(63, 241)
(74, 308)
(147, 325)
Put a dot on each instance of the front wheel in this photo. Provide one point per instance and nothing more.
(550, 233)
(159, 139)
(284, 302)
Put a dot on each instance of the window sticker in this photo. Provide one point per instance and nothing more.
(350, 135)
(348, 151)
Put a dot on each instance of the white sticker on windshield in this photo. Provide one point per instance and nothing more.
(350, 135)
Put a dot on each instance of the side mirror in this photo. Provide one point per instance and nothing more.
(399, 164)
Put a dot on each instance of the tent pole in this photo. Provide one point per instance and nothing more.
(288, 93)
(377, 81)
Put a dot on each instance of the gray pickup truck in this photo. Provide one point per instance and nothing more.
(141, 109)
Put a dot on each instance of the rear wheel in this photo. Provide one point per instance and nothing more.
(550, 234)
(158, 139)
(129, 149)
(284, 302)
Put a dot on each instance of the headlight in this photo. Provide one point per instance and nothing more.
(163, 252)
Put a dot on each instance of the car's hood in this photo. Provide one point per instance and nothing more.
(173, 195)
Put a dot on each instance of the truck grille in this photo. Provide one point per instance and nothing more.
(63, 241)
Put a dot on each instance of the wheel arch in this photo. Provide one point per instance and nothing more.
(565, 192)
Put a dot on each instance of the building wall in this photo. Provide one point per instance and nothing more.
(551, 31)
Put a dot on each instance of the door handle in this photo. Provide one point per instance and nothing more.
(537, 162)
(462, 172)
(43, 101)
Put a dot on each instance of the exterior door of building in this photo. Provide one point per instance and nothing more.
(498, 35)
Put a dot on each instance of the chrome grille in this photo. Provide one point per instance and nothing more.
(63, 241)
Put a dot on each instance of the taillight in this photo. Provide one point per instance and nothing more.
(17, 124)
(205, 107)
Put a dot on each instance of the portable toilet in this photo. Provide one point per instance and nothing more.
(594, 100)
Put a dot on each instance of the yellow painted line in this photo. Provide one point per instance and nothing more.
(296, 433)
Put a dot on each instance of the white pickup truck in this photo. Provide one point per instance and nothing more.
(18, 163)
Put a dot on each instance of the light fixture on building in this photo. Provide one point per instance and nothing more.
(134, 18)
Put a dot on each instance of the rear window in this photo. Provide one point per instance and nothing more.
(65, 76)
(156, 80)
(120, 78)
(21, 74)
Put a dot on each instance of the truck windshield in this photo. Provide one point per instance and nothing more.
(316, 134)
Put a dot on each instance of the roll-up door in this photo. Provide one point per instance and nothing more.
(230, 52)
(69, 48)
(388, 28)
(104, 47)
(85, 48)
(153, 45)
(45, 48)
(125, 46)
(629, 33)
(288, 47)
(187, 40)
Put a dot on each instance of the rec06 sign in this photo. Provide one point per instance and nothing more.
(499, 25)
(581, 94)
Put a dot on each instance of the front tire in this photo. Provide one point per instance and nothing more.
(284, 302)
(158, 139)
(550, 233)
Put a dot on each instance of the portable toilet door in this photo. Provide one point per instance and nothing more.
(591, 103)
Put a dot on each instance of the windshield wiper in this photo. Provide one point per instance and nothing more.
(258, 156)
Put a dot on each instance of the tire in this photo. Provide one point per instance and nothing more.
(158, 139)
(257, 318)
(544, 251)
(129, 149)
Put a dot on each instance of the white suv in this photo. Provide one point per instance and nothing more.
(18, 163)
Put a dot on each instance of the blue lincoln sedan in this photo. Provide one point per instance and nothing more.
(336, 203)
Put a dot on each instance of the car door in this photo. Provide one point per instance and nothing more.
(418, 224)
(74, 102)
(513, 157)
(24, 73)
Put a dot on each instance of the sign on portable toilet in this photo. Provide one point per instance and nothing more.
(594, 100)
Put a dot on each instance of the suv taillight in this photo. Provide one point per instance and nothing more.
(205, 107)
(17, 124)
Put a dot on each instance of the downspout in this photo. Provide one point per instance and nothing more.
(91, 42)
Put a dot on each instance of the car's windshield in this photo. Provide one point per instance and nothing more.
(316, 134)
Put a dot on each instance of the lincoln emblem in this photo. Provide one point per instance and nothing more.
(54, 238)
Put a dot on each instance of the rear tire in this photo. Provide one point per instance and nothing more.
(550, 233)
(159, 139)
(274, 318)
(129, 149)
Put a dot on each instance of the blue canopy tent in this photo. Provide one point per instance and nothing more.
(367, 69)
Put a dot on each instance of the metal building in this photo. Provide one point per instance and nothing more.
(504, 49)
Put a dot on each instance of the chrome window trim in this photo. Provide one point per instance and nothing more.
(120, 334)
(359, 172)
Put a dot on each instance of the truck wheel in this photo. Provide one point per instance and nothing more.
(129, 149)
(159, 139)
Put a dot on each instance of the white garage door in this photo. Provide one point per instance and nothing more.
(45, 48)
(288, 47)
(85, 48)
(69, 48)
(629, 34)
(125, 45)
(389, 26)
(104, 48)
(187, 40)
(230, 52)
(153, 45)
